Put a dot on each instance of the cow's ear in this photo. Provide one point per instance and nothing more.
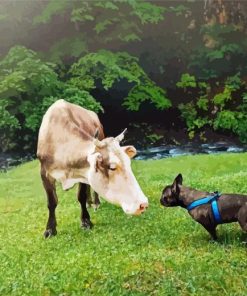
(129, 150)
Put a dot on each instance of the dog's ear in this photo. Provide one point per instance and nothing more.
(177, 181)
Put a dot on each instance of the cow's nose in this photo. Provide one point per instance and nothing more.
(143, 206)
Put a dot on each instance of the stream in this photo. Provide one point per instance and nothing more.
(10, 160)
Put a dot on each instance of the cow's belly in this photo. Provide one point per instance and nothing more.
(69, 178)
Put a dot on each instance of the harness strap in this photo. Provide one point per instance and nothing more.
(199, 202)
(214, 205)
(216, 212)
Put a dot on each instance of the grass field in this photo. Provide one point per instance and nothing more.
(162, 252)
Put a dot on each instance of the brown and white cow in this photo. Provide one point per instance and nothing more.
(70, 153)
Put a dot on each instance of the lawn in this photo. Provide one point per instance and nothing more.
(162, 252)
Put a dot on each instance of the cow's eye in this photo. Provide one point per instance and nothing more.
(112, 167)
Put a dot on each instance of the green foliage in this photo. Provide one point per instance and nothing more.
(226, 119)
(219, 48)
(111, 21)
(232, 84)
(6, 119)
(67, 47)
(208, 55)
(222, 112)
(179, 10)
(147, 12)
(28, 86)
(115, 258)
(189, 113)
(53, 7)
(203, 102)
(187, 80)
(193, 121)
(71, 94)
(22, 71)
(147, 92)
(223, 51)
(234, 121)
(109, 68)
(222, 98)
(24, 80)
(154, 138)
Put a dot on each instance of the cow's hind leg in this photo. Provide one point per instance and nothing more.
(93, 201)
(83, 194)
(49, 185)
(96, 200)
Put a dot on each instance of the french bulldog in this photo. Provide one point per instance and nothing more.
(230, 207)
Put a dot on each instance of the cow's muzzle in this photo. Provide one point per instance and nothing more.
(142, 208)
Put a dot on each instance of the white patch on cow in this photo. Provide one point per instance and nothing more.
(58, 174)
(69, 178)
(69, 183)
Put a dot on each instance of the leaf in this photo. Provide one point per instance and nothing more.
(73, 46)
(216, 54)
(101, 26)
(186, 80)
(53, 7)
(109, 68)
(129, 37)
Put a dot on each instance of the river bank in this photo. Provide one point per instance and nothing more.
(10, 160)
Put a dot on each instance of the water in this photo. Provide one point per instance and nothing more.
(8, 160)
(189, 149)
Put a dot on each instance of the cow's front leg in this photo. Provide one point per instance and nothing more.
(49, 185)
(82, 196)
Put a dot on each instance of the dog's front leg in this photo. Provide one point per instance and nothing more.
(211, 229)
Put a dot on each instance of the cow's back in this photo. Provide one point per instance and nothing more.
(65, 135)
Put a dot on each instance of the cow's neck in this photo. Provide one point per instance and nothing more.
(73, 173)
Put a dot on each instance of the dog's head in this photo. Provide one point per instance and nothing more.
(170, 194)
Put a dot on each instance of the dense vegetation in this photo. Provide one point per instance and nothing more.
(162, 252)
(165, 55)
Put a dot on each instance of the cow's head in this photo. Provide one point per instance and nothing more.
(111, 176)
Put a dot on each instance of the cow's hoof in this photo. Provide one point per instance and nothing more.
(50, 232)
(87, 224)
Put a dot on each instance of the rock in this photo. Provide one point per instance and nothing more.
(178, 151)
(235, 149)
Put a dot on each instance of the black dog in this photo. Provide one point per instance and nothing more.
(207, 209)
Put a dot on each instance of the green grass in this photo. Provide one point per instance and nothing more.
(163, 252)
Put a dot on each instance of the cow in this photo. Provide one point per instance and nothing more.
(72, 149)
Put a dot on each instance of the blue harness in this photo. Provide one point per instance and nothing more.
(212, 199)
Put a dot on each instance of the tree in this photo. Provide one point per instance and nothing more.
(109, 67)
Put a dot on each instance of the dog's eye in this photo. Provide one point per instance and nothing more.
(112, 167)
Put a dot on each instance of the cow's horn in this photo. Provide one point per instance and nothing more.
(96, 141)
(120, 137)
(96, 135)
